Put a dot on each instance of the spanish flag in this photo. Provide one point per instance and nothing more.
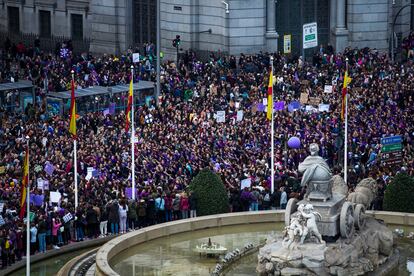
(129, 106)
(347, 81)
(25, 182)
(270, 97)
(72, 123)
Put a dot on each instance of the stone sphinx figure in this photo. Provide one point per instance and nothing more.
(316, 176)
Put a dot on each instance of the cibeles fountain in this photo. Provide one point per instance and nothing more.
(328, 233)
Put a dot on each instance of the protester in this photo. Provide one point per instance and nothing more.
(180, 136)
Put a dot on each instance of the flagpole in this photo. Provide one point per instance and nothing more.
(75, 158)
(132, 137)
(28, 214)
(346, 130)
(272, 133)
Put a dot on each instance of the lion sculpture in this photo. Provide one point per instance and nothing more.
(365, 192)
(339, 186)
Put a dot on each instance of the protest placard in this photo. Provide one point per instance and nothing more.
(2, 222)
(245, 183)
(327, 89)
(323, 107)
(221, 116)
(55, 197)
(67, 217)
(314, 101)
(264, 101)
(1, 207)
(38, 200)
(239, 115)
(135, 57)
(128, 193)
(49, 168)
(304, 98)
(280, 105)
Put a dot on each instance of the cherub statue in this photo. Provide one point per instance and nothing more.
(311, 228)
(296, 229)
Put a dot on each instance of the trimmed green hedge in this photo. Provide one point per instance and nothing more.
(210, 193)
(398, 196)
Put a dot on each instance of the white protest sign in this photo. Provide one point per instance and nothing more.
(1, 207)
(135, 57)
(40, 184)
(55, 197)
(67, 217)
(237, 105)
(221, 116)
(324, 107)
(328, 89)
(239, 115)
(245, 183)
(264, 101)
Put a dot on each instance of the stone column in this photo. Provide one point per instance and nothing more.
(271, 34)
(340, 33)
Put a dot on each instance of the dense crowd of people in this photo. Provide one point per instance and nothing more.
(183, 137)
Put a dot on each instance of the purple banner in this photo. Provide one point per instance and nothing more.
(112, 108)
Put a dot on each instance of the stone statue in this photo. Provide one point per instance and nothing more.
(339, 186)
(310, 215)
(365, 192)
(302, 225)
(316, 176)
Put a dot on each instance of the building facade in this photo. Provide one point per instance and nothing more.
(231, 26)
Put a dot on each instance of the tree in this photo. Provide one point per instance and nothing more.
(398, 195)
(210, 193)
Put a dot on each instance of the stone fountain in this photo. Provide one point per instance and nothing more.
(325, 233)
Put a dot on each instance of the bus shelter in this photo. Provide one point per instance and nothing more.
(100, 98)
(15, 96)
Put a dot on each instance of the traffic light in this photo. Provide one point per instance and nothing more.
(177, 38)
(176, 42)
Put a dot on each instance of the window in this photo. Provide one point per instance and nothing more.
(14, 19)
(77, 26)
(144, 21)
(44, 24)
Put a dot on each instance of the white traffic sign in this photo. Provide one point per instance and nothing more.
(287, 44)
(310, 35)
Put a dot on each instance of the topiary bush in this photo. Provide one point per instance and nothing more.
(210, 193)
(398, 194)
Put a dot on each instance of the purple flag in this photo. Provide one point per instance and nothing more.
(280, 105)
(295, 105)
(106, 112)
(38, 200)
(260, 107)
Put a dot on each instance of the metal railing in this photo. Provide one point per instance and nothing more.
(47, 44)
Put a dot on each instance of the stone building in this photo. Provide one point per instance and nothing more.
(231, 26)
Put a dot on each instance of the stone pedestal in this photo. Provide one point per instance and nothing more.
(369, 251)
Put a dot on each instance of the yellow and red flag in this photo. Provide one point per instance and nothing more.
(347, 81)
(25, 182)
(129, 107)
(72, 115)
(270, 97)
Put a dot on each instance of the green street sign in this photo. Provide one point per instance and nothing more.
(310, 37)
(392, 147)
